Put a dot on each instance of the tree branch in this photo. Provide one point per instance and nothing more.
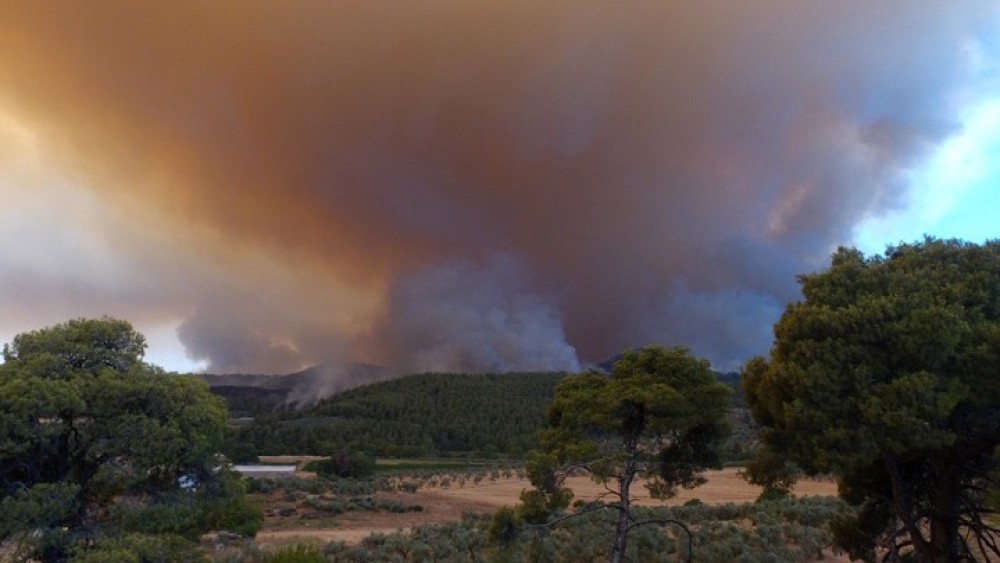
(586, 509)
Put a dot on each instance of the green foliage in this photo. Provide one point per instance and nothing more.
(859, 533)
(78, 346)
(225, 506)
(413, 416)
(219, 504)
(463, 540)
(786, 530)
(772, 494)
(296, 554)
(94, 442)
(505, 525)
(661, 409)
(41, 506)
(344, 464)
(485, 416)
(139, 548)
(547, 495)
(886, 374)
(237, 451)
(340, 505)
(773, 471)
(249, 401)
(662, 414)
(176, 513)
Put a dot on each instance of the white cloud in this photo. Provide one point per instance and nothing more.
(955, 193)
(166, 351)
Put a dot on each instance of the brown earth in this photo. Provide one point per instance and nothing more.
(448, 504)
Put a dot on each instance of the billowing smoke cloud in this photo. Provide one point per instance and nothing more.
(307, 182)
(459, 317)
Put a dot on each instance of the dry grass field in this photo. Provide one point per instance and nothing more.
(447, 504)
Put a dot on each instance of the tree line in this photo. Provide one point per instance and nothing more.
(413, 416)
(420, 415)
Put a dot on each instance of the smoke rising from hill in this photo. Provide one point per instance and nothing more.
(477, 186)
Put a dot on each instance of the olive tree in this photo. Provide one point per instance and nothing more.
(95, 445)
(660, 415)
(887, 375)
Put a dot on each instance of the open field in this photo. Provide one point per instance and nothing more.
(448, 504)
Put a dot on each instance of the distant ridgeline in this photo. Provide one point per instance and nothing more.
(413, 416)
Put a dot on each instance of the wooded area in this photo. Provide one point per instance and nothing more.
(418, 415)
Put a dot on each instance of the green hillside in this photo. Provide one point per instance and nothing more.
(416, 415)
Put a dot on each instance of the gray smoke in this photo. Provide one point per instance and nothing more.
(341, 179)
(460, 317)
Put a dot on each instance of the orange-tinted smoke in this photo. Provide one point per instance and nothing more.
(512, 185)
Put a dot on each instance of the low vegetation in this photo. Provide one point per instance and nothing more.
(785, 530)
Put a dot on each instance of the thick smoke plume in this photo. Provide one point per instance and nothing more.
(460, 318)
(474, 185)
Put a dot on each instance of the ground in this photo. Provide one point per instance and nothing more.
(447, 504)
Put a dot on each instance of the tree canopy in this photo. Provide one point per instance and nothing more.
(661, 414)
(887, 374)
(101, 451)
(412, 416)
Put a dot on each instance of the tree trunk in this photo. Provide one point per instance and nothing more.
(621, 530)
(943, 544)
(944, 520)
(904, 510)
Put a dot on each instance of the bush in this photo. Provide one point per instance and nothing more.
(296, 554)
(505, 525)
(160, 548)
(786, 530)
(772, 494)
(356, 464)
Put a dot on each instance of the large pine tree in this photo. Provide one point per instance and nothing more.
(887, 375)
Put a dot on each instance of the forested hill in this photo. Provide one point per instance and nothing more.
(249, 394)
(416, 415)
(424, 414)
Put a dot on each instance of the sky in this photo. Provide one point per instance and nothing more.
(463, 186)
